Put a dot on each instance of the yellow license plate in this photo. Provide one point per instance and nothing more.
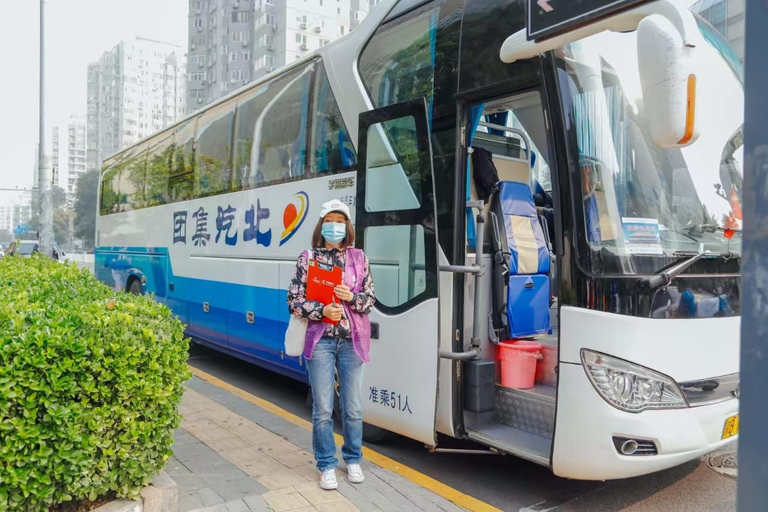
(731, 427)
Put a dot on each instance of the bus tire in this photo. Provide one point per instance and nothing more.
(134, 286)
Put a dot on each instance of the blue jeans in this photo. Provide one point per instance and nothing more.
(329, 354)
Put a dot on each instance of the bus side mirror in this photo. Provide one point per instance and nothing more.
(668, 83)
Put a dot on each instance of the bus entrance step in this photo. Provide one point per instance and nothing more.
(531, 410)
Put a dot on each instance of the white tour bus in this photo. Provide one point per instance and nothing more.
(612, 239)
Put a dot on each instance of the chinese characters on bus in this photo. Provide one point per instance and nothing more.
(225, 230)
(389, 398)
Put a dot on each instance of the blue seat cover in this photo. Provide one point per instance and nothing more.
(528, 290)
(517, 201)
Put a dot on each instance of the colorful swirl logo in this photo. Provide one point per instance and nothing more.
(294, 215)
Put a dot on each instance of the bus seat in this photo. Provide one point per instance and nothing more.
(512, 170)
(527, 260)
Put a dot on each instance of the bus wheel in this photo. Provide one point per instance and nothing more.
(135, 286)
(371, 433)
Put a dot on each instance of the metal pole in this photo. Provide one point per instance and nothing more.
(45, 235)
(753, 451)
(478, 279)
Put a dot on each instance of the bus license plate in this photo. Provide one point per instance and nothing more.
(731, 427)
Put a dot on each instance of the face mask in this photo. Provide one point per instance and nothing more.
(334, 232)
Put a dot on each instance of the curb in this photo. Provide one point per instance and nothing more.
(161, 495)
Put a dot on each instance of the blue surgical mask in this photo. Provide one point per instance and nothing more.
(334, 232)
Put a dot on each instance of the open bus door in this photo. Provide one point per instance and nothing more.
(397, 229)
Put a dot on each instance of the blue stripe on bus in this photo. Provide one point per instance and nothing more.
(224, 327)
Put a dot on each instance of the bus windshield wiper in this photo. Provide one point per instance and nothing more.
(664, 277)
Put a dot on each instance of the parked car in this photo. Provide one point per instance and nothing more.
(27, 248)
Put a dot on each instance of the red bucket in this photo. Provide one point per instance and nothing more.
(518, 363)
(545, 369)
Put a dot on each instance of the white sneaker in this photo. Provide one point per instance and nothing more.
(355, 474)
(328, 480)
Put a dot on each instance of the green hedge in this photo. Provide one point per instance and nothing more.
(90, 381)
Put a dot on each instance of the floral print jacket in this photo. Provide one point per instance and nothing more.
(313, 310)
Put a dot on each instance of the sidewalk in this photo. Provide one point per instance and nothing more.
(233, 456)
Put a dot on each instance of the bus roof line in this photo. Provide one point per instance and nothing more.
(518, 47)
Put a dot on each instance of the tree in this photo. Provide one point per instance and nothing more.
(59, 199)
(85, 208)
(61, 217)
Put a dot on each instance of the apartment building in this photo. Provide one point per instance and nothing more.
(134, 90)
(232, 42)
(15, 208)
(68, 154)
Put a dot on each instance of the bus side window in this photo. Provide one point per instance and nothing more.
(333, 150)
(399, 62)
(159, 163)
(132, 179)
(213, 170)
(110, 191)
(181, 179)
(271, 130)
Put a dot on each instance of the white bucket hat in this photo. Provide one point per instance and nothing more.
(334, 205)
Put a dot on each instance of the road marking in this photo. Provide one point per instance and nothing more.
(437, 487)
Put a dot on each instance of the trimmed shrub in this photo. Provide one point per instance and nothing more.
(90, 381)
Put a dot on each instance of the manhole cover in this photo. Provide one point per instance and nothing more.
(726, 463)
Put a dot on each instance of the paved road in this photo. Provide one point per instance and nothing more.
(505, 482)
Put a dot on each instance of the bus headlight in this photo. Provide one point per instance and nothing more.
(630, 387)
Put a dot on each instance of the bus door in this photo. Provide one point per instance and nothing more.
(397, 229)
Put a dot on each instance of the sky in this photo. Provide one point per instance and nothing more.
(77, 33)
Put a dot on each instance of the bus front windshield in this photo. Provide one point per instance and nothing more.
(645, 205)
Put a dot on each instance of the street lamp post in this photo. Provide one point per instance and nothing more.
(45, 234)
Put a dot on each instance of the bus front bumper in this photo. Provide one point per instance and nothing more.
(586, 426)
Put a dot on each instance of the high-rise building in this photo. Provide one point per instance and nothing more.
(727, 16)
(55, 146)
(15, 208)
(76, 154)
(134, 90)
(68, 154)
(232, 42)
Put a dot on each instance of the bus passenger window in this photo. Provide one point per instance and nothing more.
(398, 64)
(213, 172)
(271, 130)
(333, 150)
(159, 162)
(110, 191)
(132, 178)
(180, 181)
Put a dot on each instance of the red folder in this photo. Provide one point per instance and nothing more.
(321, 280)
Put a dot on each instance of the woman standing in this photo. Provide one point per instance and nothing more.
(341, 346)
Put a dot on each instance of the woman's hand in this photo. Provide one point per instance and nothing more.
(344, 293)
(333, 312)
